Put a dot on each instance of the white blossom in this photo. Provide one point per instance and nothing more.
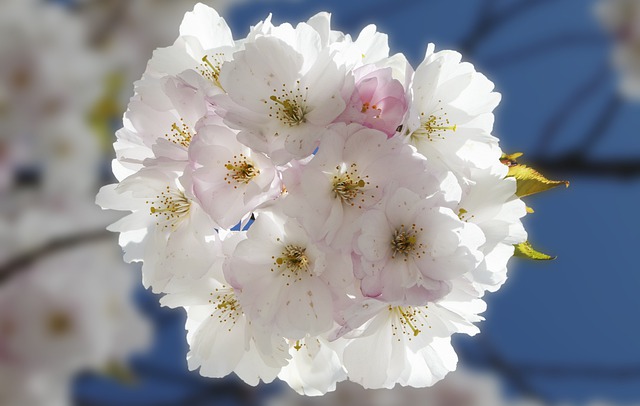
(283, 90)
(285, 281)
(228, 178)
(166, 230)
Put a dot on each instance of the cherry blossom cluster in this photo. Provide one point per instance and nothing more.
(320, 209)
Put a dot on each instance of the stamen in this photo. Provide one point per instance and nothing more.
(347, 184)
(226, 305)
(241, 170)
(211, 71)
(180, 134)
(434, 127)
(170, 207)
(290, 107)
(293, 263)
(463, 215)
(409, 318)
(405, 242)
(407, 321)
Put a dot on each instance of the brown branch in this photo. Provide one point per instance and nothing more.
(580, 95)
(522, 54)
(18, 263)
(579, 165)
(488, 23)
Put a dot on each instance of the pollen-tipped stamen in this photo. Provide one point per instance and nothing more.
(211, 71)
(241, 171)
(409, 319)
(292, 112)
(403, 242)
(170, 207)
(294, 258)
(347, 188)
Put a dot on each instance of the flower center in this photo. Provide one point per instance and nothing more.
(290, 107)
(227, 308)
(59, 324)
(211, 69)
(170, 207)
(347, 184)
(241, 170)
(295, 262)
(180, 134)
(433, 127)
(405, 242)
(409, 318)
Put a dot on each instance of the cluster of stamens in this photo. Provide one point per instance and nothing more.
(170, 207)
(434, 127)
(241, 170)
(410, 322)
(290, 106)
(292, 263)
(210, 68)
(180, 134)
(347, 185)
(366, 106)
(464, 215)
(227, 308)
(405, 242)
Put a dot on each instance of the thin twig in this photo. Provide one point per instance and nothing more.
(600, 372)
(599, 129)
(576, 165)
(579, 96)
(21, 261)
(532, 50)
(487, 24)
(509, 371)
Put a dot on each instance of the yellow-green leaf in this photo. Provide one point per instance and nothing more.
(525, 250)
(529, 181)
(511, 158)
(120, 373)
(107, 109)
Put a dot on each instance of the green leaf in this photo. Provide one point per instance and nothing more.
(107, 109)
(120, 373)
(525, 250)
(529, 181)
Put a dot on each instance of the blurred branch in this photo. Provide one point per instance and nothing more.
(21, 261)
(490, 22)
(510, 372)
(611, 372)
(580, 95)
(197, 398)
(605, 119)
(112, 15)
(572, 164)
(522, 54)
(386, 8)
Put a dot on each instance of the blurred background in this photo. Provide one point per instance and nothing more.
(77, 328)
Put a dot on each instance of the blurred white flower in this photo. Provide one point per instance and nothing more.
(622, 19)
(68, 312)
(461, 388)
